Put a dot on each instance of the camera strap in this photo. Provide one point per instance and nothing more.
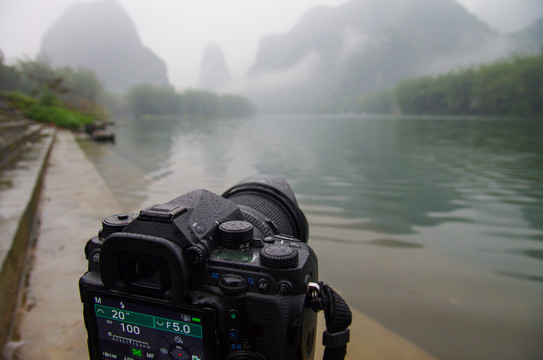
(338, 317)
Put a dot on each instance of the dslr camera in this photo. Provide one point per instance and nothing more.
(204, 277)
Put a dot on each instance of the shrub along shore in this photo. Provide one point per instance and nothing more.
(57, 114)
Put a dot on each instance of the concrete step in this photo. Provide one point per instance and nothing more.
(20, 188)
(15, 137)
(75, 199)
(13, 126)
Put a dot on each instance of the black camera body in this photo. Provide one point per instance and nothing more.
(203, 277)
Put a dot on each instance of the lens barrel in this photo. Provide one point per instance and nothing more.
(268, 203)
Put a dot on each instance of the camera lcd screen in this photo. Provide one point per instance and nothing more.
(129, 328)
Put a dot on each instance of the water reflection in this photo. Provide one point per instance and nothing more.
(147, 142)
(386, 175)
(416, 212)
(396, 243)
(522, 276)
(367, 168)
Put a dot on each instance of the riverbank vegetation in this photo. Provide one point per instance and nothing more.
(511, 87)
(72, 98)
(55, 113)
(63, 96)
(146, 99)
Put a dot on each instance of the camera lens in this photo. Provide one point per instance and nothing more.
(268, 203)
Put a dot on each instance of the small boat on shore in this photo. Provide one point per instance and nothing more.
(98, 132)
(102, 136)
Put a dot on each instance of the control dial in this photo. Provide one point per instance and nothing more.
(235, 235)
(232, 284)
(279, 256)
(245, 355)
(176, 348)
(195, 254)
(115, 223)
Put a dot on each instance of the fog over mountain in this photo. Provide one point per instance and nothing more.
(514, 19)
(214, 74)
(330, 53)
(363, 46)
(177, 31)
(529, 40)
(102, 37)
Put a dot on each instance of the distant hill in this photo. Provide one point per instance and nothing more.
(363, 46)
(101, 36)
(529, 40)
(509, 15)
(214, 74)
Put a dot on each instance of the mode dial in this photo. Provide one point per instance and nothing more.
(279, 256)
(236, 235)
(115, 223)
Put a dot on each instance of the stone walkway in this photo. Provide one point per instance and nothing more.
(50, 323)
(21, 180)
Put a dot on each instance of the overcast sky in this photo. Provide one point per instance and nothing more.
(178, 30)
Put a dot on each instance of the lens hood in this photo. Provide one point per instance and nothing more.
(280, 191)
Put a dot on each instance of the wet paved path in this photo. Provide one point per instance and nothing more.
(24, 158)
(75, 200)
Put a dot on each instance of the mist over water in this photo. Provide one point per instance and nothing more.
(178, 34)
(430, 226)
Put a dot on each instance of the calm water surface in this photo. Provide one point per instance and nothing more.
(433, 227)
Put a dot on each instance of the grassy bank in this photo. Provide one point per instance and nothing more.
(51, 112)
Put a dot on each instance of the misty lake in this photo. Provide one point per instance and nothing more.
(432, 227)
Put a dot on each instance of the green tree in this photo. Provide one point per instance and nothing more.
(10, 78)
(509, 87)
(236, 106)
(40, 80)
(146, 99)
(383, 102)
(65, 97)
(201, 103)
(81, 84)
